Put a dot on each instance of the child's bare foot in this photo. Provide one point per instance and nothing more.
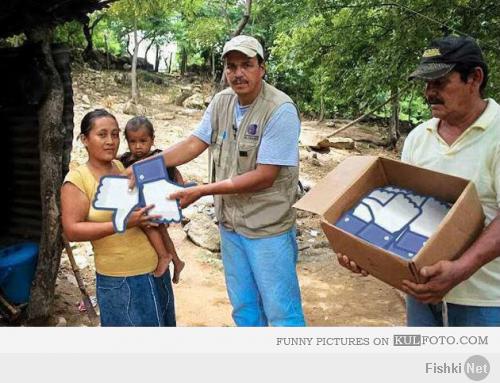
(162, 266)
(178, 266)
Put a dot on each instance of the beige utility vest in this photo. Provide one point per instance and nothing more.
(233, 151)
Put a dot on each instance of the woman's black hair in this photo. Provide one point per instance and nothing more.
(139, 122)
(90, 117)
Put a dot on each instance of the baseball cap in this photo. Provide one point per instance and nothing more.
(443, 54)
(247, 45)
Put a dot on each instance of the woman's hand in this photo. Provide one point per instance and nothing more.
(140, 217)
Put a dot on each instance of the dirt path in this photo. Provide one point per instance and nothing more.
(331, 295)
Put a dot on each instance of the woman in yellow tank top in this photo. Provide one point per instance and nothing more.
(128, 294)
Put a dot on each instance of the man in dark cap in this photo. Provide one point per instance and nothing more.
(462, 139)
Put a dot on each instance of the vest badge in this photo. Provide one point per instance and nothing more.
(251, 132)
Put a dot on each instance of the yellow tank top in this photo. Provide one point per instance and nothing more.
(117, 255)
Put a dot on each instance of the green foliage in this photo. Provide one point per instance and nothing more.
(339, 55)
(13, 41)
(202, 27)
(104, 32)
(152, 17)
(70, 34)
(352, 54)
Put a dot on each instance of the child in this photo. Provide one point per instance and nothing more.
(139, 133)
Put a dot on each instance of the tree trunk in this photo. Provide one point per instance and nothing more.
(237, 31)
(171, 58)
(148, 48)
(321, 116)
(184, 58)
(410, 106)
(214, 72)
(157, 57)
(378, 107)
(135, 93)
(166, 60)
(321, 103)
(51, 144)
(128, 45)
(87, 32)
(394, 125)
(107, 49)
(244, 19)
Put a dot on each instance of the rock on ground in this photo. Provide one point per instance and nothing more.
(342, 143)
(203, 232)
(195, 101)
(134, 109)
(165, 116)
(186, 92)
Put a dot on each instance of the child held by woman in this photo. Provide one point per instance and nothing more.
(140, 135)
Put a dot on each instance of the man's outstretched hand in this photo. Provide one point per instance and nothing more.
(129, 172)
(187, 196)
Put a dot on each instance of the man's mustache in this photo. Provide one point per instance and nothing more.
(239, 81)
(434, 101)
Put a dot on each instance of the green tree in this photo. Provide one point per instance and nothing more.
(134, 16)
(201, 30)
(347, 55)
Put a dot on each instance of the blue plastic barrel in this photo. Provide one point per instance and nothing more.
(17, 270)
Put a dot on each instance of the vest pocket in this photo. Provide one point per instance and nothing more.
(216, 153)
(247, 158)
(265, 209)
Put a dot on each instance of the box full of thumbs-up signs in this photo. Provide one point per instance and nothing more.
(392, 218)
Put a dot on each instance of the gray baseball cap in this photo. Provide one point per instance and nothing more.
(247, 45)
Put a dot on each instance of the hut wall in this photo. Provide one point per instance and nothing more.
(22, 91)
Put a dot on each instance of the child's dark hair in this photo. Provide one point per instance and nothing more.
(90, 117)
(139, 122)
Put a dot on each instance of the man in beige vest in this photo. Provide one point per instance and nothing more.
(251, 130)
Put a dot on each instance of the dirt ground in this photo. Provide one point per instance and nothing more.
(331, 295)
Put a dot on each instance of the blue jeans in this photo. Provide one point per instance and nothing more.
(140, 300)
(431, 315)
(261, 279)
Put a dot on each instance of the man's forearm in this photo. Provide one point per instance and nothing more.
(253, 181)
(184, 151)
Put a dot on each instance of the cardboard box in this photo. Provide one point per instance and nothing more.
(356, 176)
